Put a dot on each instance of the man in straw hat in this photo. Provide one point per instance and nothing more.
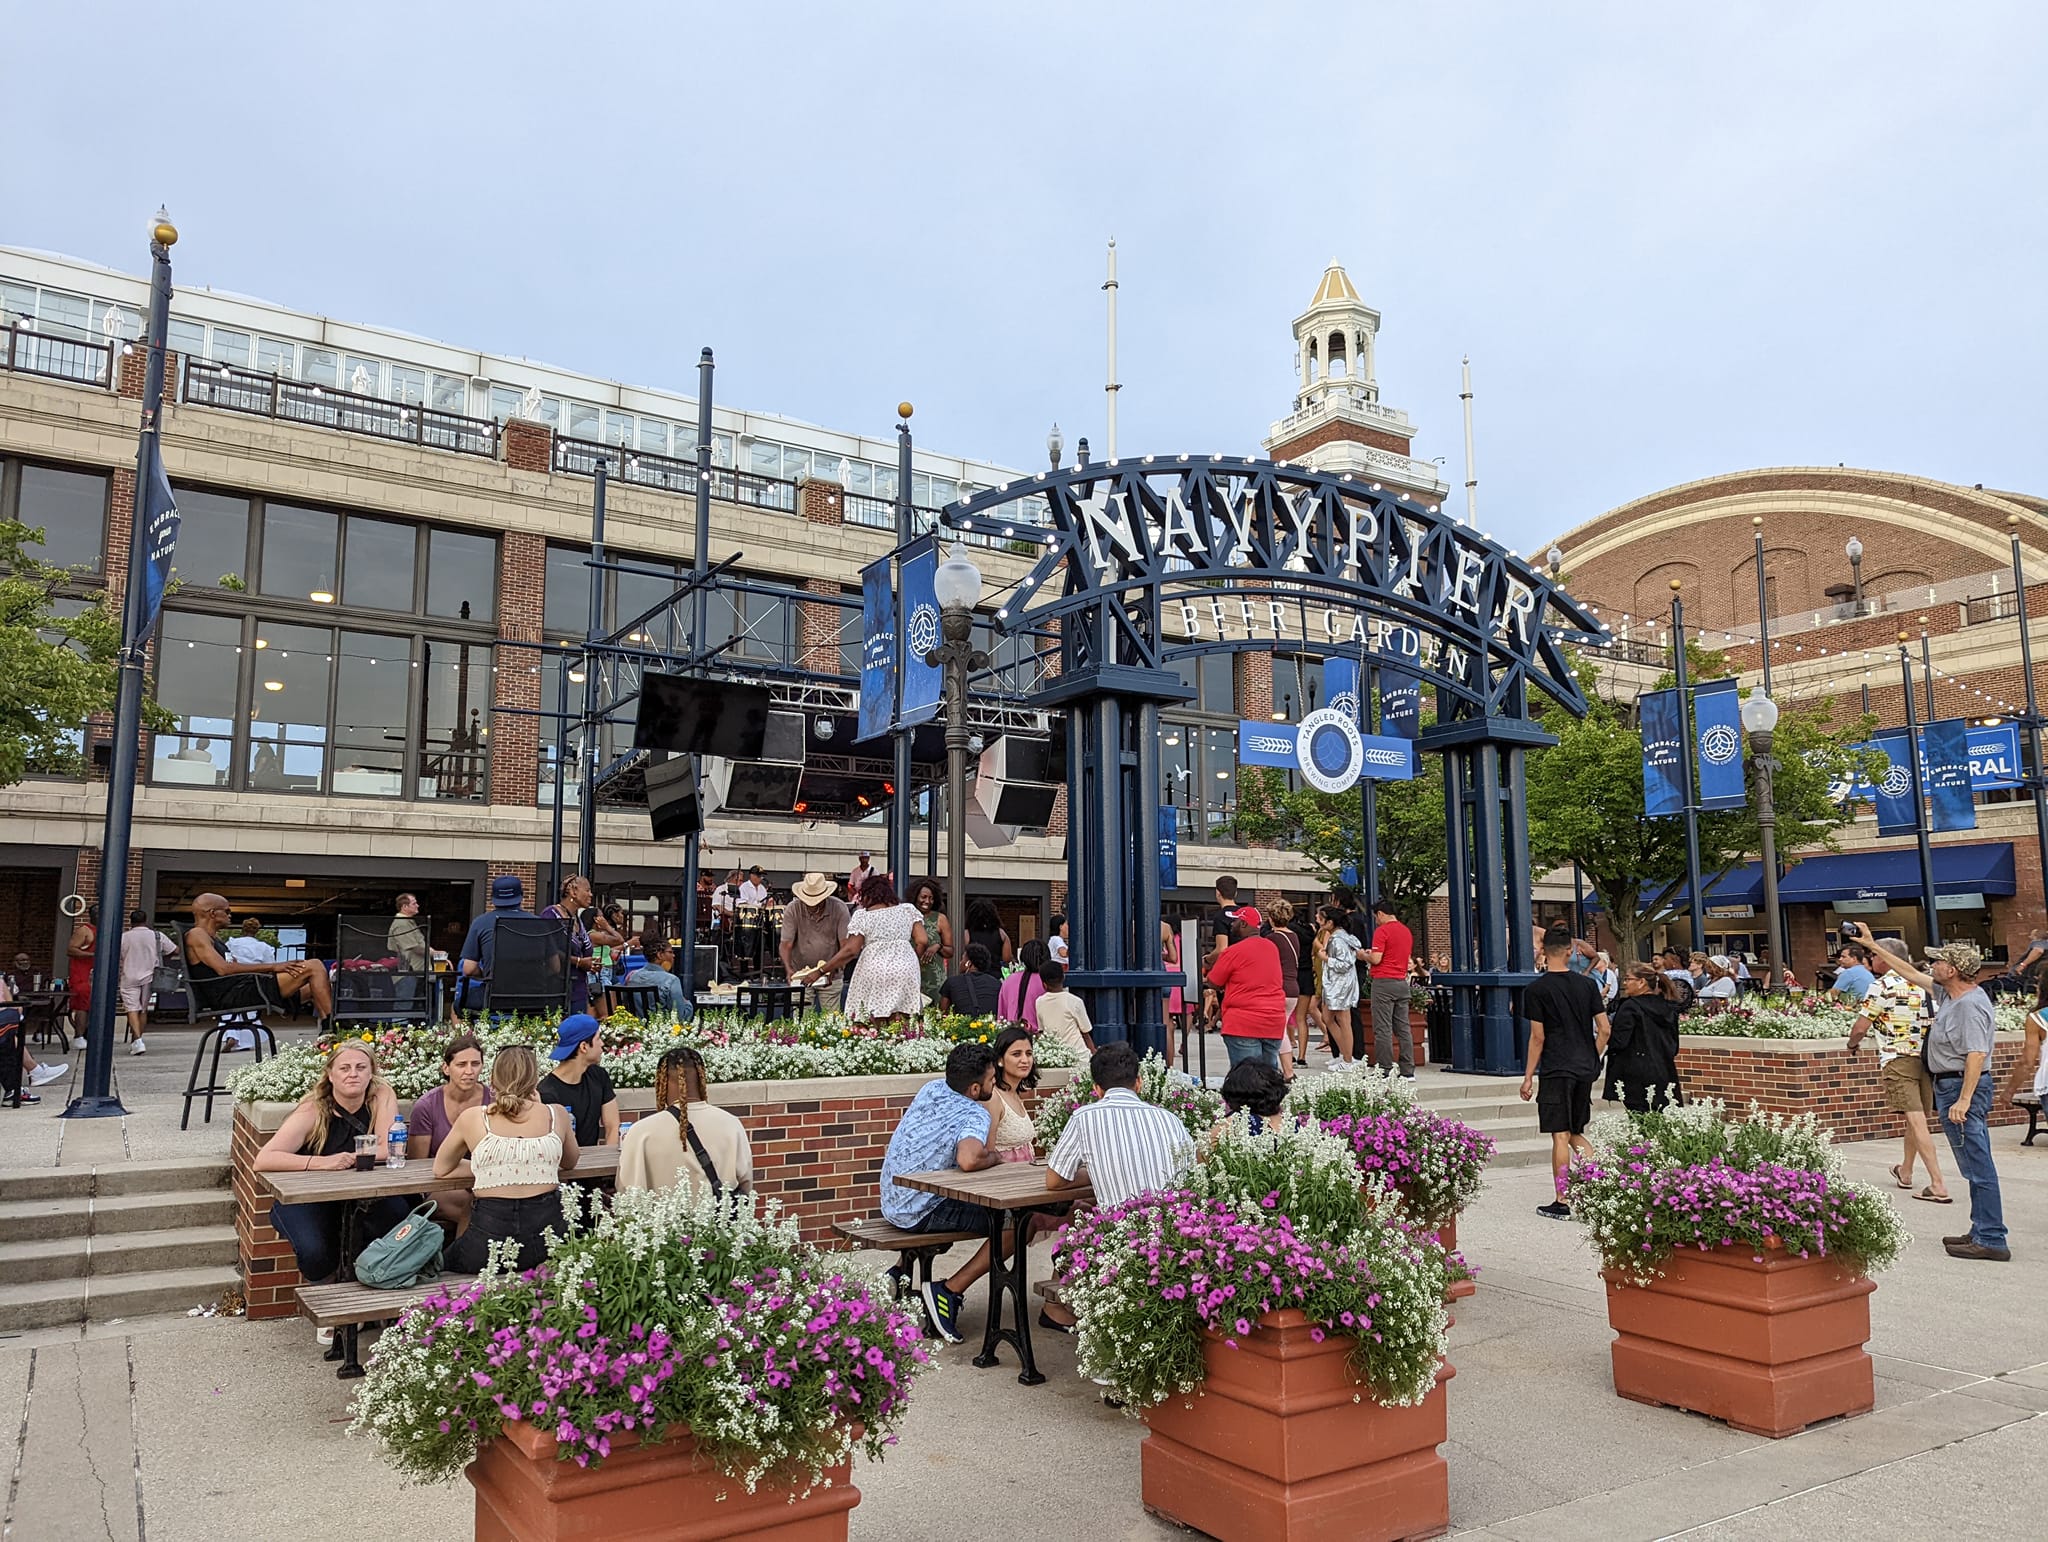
(813, 925)
(1959, 1048)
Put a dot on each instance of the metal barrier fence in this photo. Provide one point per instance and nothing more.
(669, 474)
(294, 401)
(25, 351)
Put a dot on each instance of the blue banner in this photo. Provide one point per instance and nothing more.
(1717, 744)
(1388, 758)
(1945, 773)
(159, 527)
(1337, 755)
(1169, 848)
(1663, 739)
(1400, 702)
(877, 651)
(917, 613)
(1993, 753)
(1340, 688)
(1896, 808)
(1266, 744)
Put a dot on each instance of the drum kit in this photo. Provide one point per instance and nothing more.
(751, 941)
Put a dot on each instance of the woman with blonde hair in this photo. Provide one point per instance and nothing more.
(688, 1139)
(1281, 914)
(518, 1149)
(348, 1102)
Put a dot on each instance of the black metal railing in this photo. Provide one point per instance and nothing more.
(25, 351)
(295, 401)
(1633, 650)
(1990, 607)
(668, 473)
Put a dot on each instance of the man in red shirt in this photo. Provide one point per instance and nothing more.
(1254, 996)
(1393, 945)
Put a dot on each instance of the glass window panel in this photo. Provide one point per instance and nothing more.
(408, 385)
(363, 376)
(505, 402)
(372, 685)
(1179, 788)
(231, 347)
(69, 315)
(764, 458)
(852, 631)
(198, 660)
(551, 411)
(188, 338)
(1288, 701)
(213, 539)
(1219, 779)
(618, 428)
(450, 394)
(550, 676)
(288, 707)
(582, 421)
(921, 488)
(721, 450)
(322, 367)
(565, 601)
(276, 358)
(17, 302)
(377, 564)
(943, 492)
(462, 575)
(127, 324)
(767, 626)
(638, 592)
(298, 552)
(885, 482)
(654, 436)
(457, 720)
(795, 463)
(1218, 692)
(71, 508)
(686, 439)
(860, 477)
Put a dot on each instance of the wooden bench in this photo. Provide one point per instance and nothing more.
(347, 1307)
(915, 1250)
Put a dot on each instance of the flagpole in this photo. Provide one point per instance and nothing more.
(1696, 902)
(137, 618)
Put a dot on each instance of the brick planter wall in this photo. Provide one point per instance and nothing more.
(1796, 1076)
(817, 1145)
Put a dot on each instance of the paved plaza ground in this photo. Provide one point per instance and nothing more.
(183, 1429)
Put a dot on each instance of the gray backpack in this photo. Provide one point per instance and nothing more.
(405, 1255)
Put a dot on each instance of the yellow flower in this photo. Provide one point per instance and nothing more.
(369, 1038)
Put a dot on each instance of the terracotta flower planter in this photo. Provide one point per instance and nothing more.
(1448, 1236)
(1767, 1346)
(1418, 1035)
(640, 1493)
(1278, 1444)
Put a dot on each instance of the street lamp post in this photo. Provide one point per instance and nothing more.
(1760, 722)
(2036, 784)
(957, 587)
(1933, 916)
(1854, 550)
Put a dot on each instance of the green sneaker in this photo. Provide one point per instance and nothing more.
(942, 1306)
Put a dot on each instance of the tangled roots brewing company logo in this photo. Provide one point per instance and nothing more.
(1720, 744)
(1330, 752)
(1897, 783)
(924, 631)
(1345, 702)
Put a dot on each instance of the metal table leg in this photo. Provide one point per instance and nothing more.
(1012, 1278)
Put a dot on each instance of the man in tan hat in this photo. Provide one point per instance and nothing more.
(1959, 1046)
(813, 926)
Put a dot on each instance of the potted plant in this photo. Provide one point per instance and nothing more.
(676, 1367)
(1282, 1331)
(1435, 1163)
(1738, 1259)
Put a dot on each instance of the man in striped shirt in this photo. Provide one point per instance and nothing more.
(1128, 1146)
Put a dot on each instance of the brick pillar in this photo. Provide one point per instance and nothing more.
(1057, 897)
(527, 873)
(515, 738)
(818, 629)
(89, 877)
(528, 446)
(821, 501)
(1254, 678)
(130, 368)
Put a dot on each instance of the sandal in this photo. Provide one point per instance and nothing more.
(1898, 1177)
(1933, 1198)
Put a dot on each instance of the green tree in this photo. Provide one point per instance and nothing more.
(56, 669)
(1586, 800)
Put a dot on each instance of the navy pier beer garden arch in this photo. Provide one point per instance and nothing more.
(1147, 560)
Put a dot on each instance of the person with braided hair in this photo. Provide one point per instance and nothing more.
(688, 1139)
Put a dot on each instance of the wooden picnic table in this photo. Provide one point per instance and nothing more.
(416, 1177)
(1012, 1191)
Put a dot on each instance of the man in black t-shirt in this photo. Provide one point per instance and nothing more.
(1567, 1036)
(579, 1084)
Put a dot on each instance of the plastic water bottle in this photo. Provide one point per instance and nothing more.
(397, 1157)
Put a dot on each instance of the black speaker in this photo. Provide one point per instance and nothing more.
(1015, 784)
(701, 717)
(1024, 803)
(764, 783)
(672, 805)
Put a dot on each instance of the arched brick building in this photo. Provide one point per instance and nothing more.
(1934, 558)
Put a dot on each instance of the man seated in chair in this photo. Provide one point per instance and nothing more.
(659, 973)
(220, 983)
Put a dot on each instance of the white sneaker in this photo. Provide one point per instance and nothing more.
(44, 1074)
(323, 1336)
(138, 1048)
(78, 1043)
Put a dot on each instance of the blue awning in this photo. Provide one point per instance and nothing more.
(1895, 875)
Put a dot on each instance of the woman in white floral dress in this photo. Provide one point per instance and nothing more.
(883, 940)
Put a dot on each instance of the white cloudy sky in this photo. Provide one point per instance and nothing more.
(1676, 240)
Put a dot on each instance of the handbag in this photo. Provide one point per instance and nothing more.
(405, 1255)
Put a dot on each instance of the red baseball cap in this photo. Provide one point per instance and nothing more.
(1249, 914)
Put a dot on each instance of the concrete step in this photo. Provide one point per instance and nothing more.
(157, 1290)
(36, 1220)
(41, 1304)
(162, 1211)
(179, 1175)
(137, 1252)
(25, 1183)
(52, 1258)
(1522, 1151)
